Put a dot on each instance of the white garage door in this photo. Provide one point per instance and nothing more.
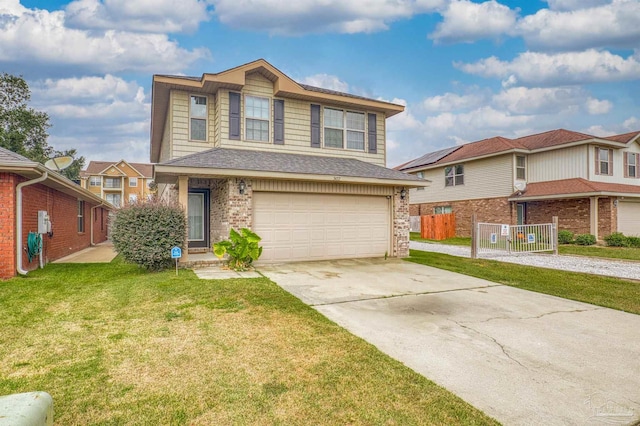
(629, 218)
(296, 226)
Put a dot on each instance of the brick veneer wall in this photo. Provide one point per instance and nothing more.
(229, 208)
(63, 213)
(491, 210)
(401, 224)
(607, 217)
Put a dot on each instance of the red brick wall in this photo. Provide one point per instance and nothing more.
(607, 217)
(63, 212)
(7, 225)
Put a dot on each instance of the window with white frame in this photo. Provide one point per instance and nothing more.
(113, 199)
(521, 167)
(342, 125)
(112, 182)
(95, 181)
(631, 168)
(198, 118)
(256, 111)
(603, 161)
(133, 181)
(80, 216)
(454, 175)
(442, 209)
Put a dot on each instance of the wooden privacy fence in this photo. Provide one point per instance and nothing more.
(438, 226)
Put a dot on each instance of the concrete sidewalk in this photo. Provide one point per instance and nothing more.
(100, 253)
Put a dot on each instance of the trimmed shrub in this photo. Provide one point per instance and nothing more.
(617, 239)
(585, 239)
(565, 237)
(144, 233)
(633, 241)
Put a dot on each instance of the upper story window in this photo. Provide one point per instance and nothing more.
(521, 167)
(257, 118)
(454, 175)
(198, 118)
(112, 183)
(113, 199)
(133, 181)
(95, 181)
(342, 125)
(604, 159)
(631, 164)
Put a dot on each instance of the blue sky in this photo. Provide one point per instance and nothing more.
(465, 70)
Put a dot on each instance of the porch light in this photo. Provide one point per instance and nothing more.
(403, 194)
(241, 187)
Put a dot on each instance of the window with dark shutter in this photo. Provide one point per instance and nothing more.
(234, 115)
(315, 126)
(372, 134)
(278, 121)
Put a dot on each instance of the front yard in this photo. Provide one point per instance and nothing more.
(116, 346)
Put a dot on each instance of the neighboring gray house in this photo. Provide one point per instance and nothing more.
(303, 167)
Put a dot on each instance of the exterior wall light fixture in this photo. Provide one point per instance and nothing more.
(241, 187)
(403, 194)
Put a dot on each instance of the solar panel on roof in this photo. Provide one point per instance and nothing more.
(430, 158)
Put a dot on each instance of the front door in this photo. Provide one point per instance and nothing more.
(198, 213)
(522, 213)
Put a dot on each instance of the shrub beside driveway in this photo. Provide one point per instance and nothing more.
(116, 345)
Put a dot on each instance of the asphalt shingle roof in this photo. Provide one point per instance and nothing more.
(95, 167)
(7, 156)
(576, 186)
(262, 161)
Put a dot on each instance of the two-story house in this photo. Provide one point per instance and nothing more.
(302, 166)
(591, 183)
(119, 182)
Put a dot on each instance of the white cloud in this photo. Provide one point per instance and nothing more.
(85, 88)
(607, 25)
(452, 101)
(465, 21)
(597, 107)
(319, 16)
(158, 16)
(575, 4)
(326, 81)
(534, 68)
(37, 37)
(631, 124)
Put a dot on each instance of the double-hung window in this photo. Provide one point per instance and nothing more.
(604, 161)
(113, 199)
(631, 164)
(95, 181)
(133, 181)
(80, 216)
(257, 118)
(342, 125)
(454, 175)
(521, 167)
(198, 118)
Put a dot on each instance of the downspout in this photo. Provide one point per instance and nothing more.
(92, 220)
(19, 219)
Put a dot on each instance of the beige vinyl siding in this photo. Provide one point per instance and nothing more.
(297, 125)
(320, 187)
(486, 178)
(180, 125)
(618, 166)
(567, 163)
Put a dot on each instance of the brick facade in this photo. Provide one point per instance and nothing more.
(63, 213)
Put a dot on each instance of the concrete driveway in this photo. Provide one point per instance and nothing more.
(524, 358)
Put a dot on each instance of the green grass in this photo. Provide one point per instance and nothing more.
(115, 345)
(612, 293)
(455, 241)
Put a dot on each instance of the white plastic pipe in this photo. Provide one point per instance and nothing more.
(19, 187)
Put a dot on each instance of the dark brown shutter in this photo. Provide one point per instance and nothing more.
(597, 154)
(234, 115)
(625, 155)
(611, 162)
(315, 126)
(373, 134)
(278, 121)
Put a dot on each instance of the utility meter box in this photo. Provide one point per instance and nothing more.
(44, 224)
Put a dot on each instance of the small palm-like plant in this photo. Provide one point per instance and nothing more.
(241, 247)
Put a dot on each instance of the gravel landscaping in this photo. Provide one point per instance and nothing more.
(589, 265)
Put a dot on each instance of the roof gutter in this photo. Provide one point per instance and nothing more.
(19, 187)
(575, 195)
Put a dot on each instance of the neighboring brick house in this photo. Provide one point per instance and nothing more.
(303, 167)
(591, 183)
(118, 182)
(78, 218)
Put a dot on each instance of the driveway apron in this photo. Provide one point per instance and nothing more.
(523, 358)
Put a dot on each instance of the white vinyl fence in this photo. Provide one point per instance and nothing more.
(515, 238)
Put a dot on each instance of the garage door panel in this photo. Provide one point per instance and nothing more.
(297, 226)
(629, 218)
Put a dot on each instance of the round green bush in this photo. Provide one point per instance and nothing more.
(617, 239)
(585, 239)
(633, 241)
(144, 233)
(565, 237)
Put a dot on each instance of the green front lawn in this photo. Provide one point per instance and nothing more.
(613, 293)
(114, 345)
(455, 241)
